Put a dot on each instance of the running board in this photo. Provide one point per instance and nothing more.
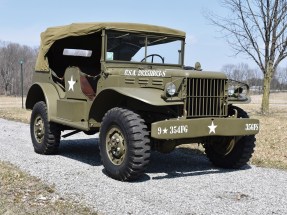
(71, 133)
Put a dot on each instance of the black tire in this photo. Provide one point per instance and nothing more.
(231, 152)
(45, 135)
(124, 144)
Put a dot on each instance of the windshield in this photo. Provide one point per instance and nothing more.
(143, 48)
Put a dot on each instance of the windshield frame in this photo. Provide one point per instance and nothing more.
(146, 35)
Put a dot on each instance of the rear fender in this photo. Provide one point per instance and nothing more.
(43, 92)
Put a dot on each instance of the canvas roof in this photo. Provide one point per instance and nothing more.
(53, 34)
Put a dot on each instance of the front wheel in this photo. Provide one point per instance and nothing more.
(230, 152)
(45, 135)
(124, 144)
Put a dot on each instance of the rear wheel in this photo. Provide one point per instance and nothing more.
(45, 135)
(124, 144)
(231, 152)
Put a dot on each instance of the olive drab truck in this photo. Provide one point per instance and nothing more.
(128, 82)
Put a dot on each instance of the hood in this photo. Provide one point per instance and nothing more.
(194, 74)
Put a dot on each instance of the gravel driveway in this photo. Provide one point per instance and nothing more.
(178, 183)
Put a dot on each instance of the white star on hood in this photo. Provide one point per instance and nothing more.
(212, 128)
(71, 84)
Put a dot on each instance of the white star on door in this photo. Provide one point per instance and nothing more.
(212, 128)
(71, 84)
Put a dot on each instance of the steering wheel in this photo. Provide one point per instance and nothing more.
(152, 56)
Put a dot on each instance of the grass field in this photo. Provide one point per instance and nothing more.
(11, 108)
(24, 194)
(271, 147)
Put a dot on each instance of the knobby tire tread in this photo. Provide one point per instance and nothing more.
(137, 139)
(52, 134)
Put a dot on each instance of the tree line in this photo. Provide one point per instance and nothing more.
(254, 77)
(11, 57)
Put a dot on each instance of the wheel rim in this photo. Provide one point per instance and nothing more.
(39, 129)
(224, 146)
(115, 145)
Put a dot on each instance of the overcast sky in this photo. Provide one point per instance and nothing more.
(23, 21)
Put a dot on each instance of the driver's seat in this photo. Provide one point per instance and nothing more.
(86, 87)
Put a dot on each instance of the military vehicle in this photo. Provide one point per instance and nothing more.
(128, 82)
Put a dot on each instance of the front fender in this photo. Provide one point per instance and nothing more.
(43, 92)
(149, 96)
(116, 96)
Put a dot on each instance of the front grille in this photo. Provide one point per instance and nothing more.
(206, 97)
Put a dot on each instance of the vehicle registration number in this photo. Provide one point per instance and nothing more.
(176, 129)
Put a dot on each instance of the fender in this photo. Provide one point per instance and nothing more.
(43, 92)
(114, 96)
(149, 96)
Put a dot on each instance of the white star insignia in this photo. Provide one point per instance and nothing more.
(212, 128)
(165, 131)
(71, 84)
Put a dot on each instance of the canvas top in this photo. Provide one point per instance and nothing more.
(53, 34)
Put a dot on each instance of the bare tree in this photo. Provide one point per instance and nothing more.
(239, 72)
(257, 28)
(228, 69)
(8, 66)
(10, 74)
(281, 75)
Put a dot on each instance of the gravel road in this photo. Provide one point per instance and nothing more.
(178, 183)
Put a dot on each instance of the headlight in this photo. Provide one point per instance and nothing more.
(170, 89)
(237, 90)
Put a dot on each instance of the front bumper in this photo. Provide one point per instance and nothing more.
(203, 127)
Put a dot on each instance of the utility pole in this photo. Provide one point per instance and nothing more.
(21, 62)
